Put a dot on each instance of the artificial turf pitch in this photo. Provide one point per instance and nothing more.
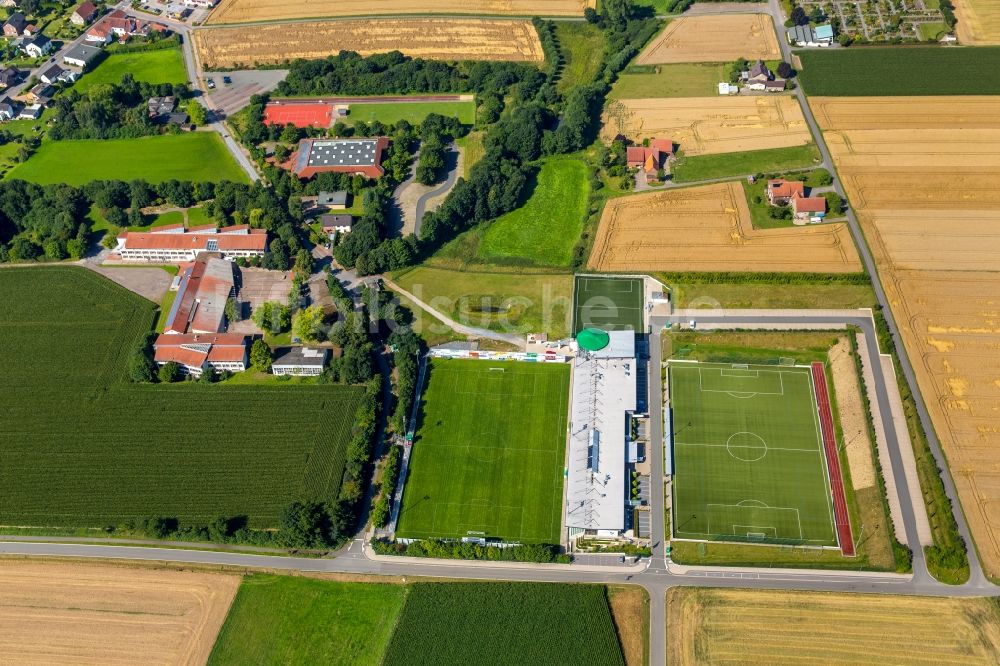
(488, 456)
(612, 304)
(748, 455)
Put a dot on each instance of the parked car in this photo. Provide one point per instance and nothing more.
(228, 80)
(210, 83)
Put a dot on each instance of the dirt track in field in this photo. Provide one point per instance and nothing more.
(57, 613)
(720, 38)
(435, 39)
(710, 125)
(932, 219)
(853, 422)
(978, 22)
(712, 626)
(708, 228)
(246, 11)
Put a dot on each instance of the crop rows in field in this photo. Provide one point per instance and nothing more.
(504, 623)
(84, 447)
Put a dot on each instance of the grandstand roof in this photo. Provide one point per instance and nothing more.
(604, 391)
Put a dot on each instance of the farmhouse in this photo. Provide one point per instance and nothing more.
(81, 55)
(809, 207)
(119, 24)
(333, 224)
(160, 107)
(224, 352)
(604, 397)
(83, 14)
(302, 361)
(174, 244)
(200, 304)
(758, 73)
(355, 156)
(652, 158)
(781, 191)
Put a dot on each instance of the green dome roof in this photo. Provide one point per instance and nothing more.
(593, 339)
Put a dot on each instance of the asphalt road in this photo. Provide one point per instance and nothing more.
(977, 575)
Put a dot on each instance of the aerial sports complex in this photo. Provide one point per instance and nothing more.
(755, 458)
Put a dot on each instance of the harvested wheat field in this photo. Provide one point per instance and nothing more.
(718, 38)
(247, 11)
(435, 39)
(710, 125)
(978, 21)
(58, 613)
(712, 626)
(932, 219)
(708, 228)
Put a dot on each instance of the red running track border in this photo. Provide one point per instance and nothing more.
(841, 517)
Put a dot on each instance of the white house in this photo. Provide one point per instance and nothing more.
(81, 55)
(31, 112)
(37, 46)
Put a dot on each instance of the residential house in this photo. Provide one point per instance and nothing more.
(332, 200)
(180, 119)
(203, 290)
(778, 85)
(53, 74)
(362, 156)
(37, 46)
(8, 110)
(758, 73)
(15, 25)
(333, 224)
(780, 191)
(173, 245)
(83, 14)
(30, 112)
(10, 76)
(121, 26)
(160, 108)
(224, 352)
(81, 55)
(650, 159)
(809, 208)
(31, 30)
(40, 94)
(302, 361)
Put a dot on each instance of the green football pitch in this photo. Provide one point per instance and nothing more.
(612, 304)
(488, 456)
(748, 455)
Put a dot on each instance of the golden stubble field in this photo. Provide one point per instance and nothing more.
(62, 613)
(246, 11)
(718, 38)
(435, 39)
(710, 125)
(927, 194)
(712, 626)
(978, 21)
(708, 228)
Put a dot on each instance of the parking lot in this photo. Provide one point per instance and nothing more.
(228, 98)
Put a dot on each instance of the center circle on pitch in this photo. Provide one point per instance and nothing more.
(746, 446)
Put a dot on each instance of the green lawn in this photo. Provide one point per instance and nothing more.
(473, 151)
(522, 302)
(749, 464)
(118, 451)
(933, 31)
(391, 113)
(685, 80)
(706, 167)
(476, 470)
(580, 45)
(923, 70)
(196, 216)
(158, 66)
(608, 303)
(193, 156)
(544, 230)
(291, 620)
(511, 624)
(770, 296)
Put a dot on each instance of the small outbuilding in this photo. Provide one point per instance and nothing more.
(300, 361)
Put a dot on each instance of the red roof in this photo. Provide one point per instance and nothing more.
(218, 347)
(809, 204)
(649, 158)
(785, 189)
(196, 242)
(86, 10)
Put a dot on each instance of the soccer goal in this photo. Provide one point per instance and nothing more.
(497, 369)
(741, 366)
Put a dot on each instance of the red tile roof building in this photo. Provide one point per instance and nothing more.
(781, 191)
(194, 353)
(121, 25)
(809, 206)
(650, 159)
(355, 156)
(174, 244)
(200, 305)
(84, 13)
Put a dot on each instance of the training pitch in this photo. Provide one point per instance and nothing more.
(748, 455)
(488, 457)
(612, 304)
